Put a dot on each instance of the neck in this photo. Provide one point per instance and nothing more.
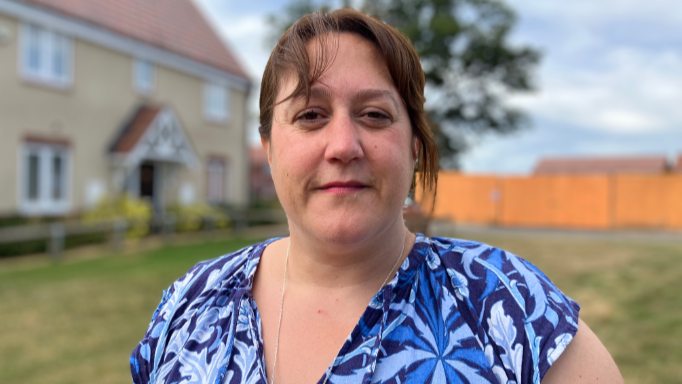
(331, 265)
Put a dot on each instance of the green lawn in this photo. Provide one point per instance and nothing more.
(78, 321)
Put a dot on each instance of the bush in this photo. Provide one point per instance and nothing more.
(40, 246)
(191, 217)
(136, 212)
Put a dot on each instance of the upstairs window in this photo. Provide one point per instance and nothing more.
(216, 102)
(46, 56)
(45, 178)
(144, 74)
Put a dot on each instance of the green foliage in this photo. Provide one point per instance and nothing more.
(191, 217)
(136, 212)
(40, 246)
(13, 221)
(469, 63)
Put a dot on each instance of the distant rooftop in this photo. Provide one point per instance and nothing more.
(587, 165)
(173, 25)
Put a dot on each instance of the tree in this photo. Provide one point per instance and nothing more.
(469, 63)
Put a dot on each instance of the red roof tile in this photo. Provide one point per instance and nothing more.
(135, 128)
(653, 164)
(174, 25)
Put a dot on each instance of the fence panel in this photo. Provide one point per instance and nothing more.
(644, 201)
(562, 201)
(469, 199)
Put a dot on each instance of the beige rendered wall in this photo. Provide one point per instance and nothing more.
(93, 109)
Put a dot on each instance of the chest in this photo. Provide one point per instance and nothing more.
(418, 337)
(413, 344)
(301, 341)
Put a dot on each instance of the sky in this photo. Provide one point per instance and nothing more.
(609, 83)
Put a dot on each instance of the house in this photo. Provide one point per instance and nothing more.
(602, 165)
(99, 97)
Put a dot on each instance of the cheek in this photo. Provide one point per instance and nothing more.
(293, 162)
(395, 157)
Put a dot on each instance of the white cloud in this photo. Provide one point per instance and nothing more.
(625, 91)
(621, 120)
(590, 13)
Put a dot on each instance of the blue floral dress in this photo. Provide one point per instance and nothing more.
(457, 311)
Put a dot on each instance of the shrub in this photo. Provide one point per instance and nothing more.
(191, 217)
(136, 212)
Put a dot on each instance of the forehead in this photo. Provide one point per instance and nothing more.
(351, 64)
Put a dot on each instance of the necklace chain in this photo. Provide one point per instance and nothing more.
(281, 306)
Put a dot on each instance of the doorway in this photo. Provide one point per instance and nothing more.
(147, 181)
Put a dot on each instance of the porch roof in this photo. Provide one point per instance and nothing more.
(153, 132)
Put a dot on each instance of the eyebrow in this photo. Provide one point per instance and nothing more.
(363, 95)
(369, 94)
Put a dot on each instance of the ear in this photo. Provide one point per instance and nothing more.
(266, 147)
(416, 144)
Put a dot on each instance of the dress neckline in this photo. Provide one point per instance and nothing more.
(414, 258)
(375, 311)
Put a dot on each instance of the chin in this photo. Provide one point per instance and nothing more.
(349, 230)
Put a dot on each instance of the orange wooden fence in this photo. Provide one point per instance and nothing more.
(562, 201)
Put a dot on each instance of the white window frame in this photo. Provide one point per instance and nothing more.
(142, 85)
(45, 203)
(48, 41)
(217, 102)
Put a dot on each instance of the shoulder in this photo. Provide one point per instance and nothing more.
(207, 284)
(522, 319)
(226, 272)
(484, 270)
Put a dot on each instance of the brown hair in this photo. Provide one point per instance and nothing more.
(290, 56)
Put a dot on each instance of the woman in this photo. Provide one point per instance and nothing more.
(352, 296)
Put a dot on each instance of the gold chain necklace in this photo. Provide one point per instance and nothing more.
(281, 306)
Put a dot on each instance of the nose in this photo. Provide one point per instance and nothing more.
(344, 142)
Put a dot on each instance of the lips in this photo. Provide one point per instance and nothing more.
(340, 187)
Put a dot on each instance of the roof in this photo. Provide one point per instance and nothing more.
(650, 164)
(152, 133)
(174, 25)
(679, 164)
(133, 129)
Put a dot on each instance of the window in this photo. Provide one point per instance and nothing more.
(46, 56)
(216, 102)
(45, 178)
(144, 73)
(217, 178)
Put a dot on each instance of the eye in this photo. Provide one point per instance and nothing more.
(377, 115)
(308, 115)
(376, 118)
(311, 118)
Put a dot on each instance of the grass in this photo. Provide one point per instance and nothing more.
(78, 321)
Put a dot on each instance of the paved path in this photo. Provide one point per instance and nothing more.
(640, 236)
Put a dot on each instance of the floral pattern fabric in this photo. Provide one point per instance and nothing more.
(457, 311)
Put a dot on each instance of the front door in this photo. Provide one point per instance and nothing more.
(147, 182)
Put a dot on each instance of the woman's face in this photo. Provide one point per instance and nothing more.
(342, 164)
